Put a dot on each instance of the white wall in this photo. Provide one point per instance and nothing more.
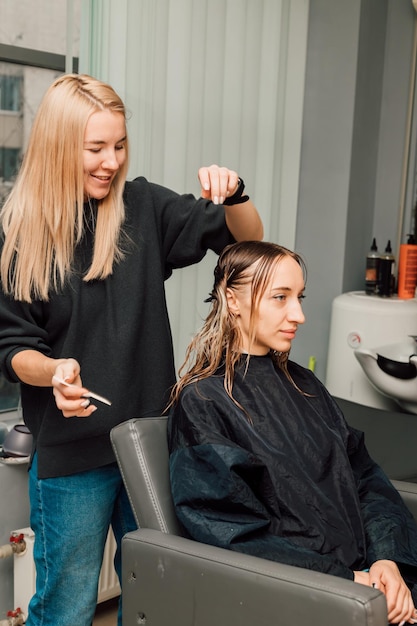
(223, 80)
(207, 81)
(355, 108)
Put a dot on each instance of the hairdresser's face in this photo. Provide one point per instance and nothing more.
(279, 313)
(104, 152)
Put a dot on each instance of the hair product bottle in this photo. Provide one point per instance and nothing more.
(372, 269)
(386, 272)
(407, 269)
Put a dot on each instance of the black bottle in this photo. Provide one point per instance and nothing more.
(386, 272)
(372, 269)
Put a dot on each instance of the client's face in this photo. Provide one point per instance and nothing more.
(279, 312)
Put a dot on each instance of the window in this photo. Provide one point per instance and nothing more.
(10, 89)
(9, 395)
(9, 162)
(33, 51)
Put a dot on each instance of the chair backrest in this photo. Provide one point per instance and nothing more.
(141, 450)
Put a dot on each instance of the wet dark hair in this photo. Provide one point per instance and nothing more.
(219, 340)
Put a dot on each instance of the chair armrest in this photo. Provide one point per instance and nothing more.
(408, 492)
(173, 580)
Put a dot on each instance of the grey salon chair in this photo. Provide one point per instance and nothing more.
(171, 580)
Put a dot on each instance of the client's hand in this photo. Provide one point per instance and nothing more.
(385, 576)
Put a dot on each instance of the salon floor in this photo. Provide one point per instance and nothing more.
(106, 613)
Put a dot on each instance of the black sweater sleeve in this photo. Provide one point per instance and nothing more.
(187, 226)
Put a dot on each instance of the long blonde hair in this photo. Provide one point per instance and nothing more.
(43, 217)
(219, 341)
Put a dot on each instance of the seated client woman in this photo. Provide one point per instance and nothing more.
(262, 460)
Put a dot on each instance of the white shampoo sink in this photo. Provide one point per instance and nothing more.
(392, 370)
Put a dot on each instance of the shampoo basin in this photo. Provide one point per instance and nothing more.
(392, 370)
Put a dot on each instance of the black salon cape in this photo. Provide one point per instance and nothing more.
(294, 483)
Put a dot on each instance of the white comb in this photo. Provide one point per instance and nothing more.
(89, 394)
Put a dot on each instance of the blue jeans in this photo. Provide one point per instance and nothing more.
(70, 517)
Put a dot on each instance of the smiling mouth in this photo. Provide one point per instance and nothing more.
(101, 178)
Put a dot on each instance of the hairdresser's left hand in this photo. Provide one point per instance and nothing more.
(217, 183)
(385, 576)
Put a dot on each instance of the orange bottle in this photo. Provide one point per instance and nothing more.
(407, 269)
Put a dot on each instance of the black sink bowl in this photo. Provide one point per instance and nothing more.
(398, 369)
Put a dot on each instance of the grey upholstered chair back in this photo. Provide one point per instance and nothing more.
(141, 450)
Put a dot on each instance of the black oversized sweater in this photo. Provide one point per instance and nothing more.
(118, 328)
